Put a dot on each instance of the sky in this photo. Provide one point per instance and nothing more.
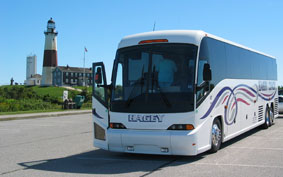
(99, 25)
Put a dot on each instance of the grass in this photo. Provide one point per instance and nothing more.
(89, 89)
(52, 91)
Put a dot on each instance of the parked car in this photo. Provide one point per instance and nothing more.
(280, 105)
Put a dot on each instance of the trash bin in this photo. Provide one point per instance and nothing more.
(79, 100)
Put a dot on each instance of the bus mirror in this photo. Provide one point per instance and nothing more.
(206, 72)
(98, 77)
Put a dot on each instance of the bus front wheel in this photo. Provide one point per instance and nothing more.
(216, 136)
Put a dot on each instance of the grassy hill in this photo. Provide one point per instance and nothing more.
(35, 98)
(52, 91)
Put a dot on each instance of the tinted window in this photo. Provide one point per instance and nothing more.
(245, 64)
(231, 62)
(118, 90)
(217, 60)
(154, 78)
(203, 59)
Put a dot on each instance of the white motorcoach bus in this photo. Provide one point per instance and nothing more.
(181, 92)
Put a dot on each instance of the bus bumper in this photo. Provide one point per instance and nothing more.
(164, 142)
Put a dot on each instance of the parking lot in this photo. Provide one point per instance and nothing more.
(62, 146)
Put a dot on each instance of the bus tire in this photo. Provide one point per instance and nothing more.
(216, 136)
(266, 118)
(271, 113)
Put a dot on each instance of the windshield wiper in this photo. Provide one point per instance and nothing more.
(140, 81)
(163, 96)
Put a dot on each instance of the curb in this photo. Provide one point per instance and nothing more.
(43, 115)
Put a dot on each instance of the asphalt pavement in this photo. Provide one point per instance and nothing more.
(62, 146)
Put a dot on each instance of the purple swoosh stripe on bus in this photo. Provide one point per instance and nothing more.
(244, 85)
(243, 101)
(215, 101)
(247, 91)
(267, 99)
(260, 95)
(267, 95)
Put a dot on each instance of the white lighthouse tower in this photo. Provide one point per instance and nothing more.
(50, 53)
(31, 66)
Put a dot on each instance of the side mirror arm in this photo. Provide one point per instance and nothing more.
(201, 86)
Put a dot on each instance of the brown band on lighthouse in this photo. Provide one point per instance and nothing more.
(50, 58)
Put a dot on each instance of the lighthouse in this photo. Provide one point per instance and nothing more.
(50, 53)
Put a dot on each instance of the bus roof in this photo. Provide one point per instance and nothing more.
(177, 36)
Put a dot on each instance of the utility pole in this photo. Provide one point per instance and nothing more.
(84, 82)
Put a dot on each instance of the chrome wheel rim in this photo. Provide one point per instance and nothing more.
(271, 117)
(267, 118)
(216, 135)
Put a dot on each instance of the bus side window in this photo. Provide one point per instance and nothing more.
(203, 59)
(118, 91)
(202, 92)
(99, 91)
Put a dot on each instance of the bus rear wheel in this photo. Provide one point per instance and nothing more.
(216, 136)
(271, 113)
(267, 122)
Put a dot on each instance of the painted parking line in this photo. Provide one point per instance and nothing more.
(237, 165)
(119, 159)
(255, 148)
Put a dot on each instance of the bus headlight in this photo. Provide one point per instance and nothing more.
(181, 127)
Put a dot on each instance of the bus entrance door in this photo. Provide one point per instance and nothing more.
(100, 105)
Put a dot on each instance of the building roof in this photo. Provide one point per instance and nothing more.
(74, 69)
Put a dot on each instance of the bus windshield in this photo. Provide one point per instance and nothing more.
(154, 78)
